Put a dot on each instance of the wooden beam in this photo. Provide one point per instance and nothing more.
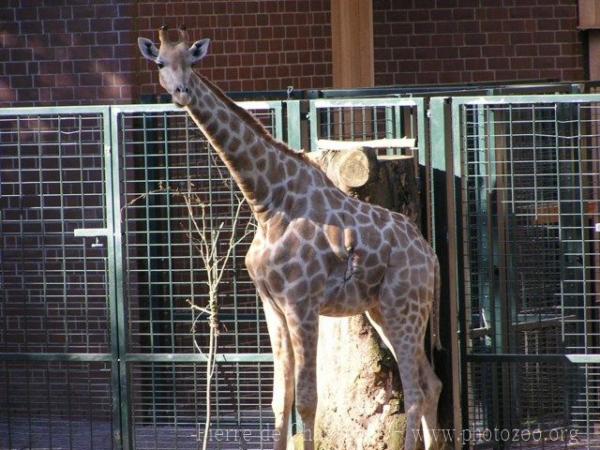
(330, 144)
(352, 43)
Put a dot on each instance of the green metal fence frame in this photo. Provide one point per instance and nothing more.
(440, 150)
(447, 111)
(119, 357)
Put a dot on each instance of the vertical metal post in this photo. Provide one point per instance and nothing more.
(112, 296)
(446, 244)
(116, 271)
(313, 123)
(294, 128)
(456, 239)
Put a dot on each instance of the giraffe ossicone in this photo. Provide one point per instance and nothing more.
(316, 252)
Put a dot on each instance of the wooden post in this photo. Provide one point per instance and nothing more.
(352, 51)
(352, 56)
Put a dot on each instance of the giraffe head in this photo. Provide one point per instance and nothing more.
(174, 61)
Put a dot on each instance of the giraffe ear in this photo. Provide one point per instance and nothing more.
(199, 49)
(148, 49)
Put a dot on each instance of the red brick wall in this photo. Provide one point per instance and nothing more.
(83, 51)
(463, 41)
(55, 52)
(256, 44)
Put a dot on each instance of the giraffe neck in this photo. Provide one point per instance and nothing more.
(266, 171)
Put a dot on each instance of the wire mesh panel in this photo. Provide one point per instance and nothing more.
(368, 119)
(164, 157)
(546, 407)
(357, 120)
(530, 250)
(169, 408)
(54, 302)
(56, 405)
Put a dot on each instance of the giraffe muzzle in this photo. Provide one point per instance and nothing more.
(182, 96)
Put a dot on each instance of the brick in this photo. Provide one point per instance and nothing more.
(90, 79)
(419, 15)
(547, 24)
(513, 25)
(50, 67)
(30, 13)
(498, 63)
(449, 77)
(30, 27)
(425, 53)
(483, 75)
(506, 75)
(521, 63)
(26, 95)
(489, 26)
(475, 64)
(565, 36)
(430, 66)
(424, 28)
(78, 52)
(542, 12)
(475, 39)
(54, 26)
(419, 41)
(21, 81)
(522, 12)
(401, 54)
(495, 13)
(447, 52)
(107, 38)
(469, 52)
(571, 74)
(565, 11)
(498, 38)
(567, 61)
(526, 50)
(521, 38)
(569, 24)
(21, 54)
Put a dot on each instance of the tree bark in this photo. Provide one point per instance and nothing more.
(360, 400)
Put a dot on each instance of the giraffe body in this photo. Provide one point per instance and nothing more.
(317, 252)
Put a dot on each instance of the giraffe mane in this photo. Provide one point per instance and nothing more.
(251, 121)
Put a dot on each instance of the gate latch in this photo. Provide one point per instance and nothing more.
(92, 232)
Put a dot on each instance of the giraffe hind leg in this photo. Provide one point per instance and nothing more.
(432, 387)
(405, 335)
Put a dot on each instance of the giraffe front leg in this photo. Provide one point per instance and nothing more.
(283, 373)
(304, 331)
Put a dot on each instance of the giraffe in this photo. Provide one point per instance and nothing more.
(316, 252)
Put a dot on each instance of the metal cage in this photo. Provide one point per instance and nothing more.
(527, 169)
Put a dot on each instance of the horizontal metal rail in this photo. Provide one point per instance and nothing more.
(525, 99)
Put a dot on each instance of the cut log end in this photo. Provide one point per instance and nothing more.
(353, 168)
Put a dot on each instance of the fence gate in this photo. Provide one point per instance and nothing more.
(529, 248)
(159, 146)
(96, 265)
(58, 346)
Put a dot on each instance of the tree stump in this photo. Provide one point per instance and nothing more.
(360, 400)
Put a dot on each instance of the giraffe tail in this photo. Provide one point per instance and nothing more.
(434, 322)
